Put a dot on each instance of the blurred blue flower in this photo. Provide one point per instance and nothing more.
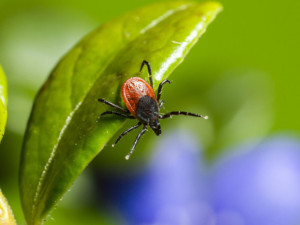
(252, 185)
(173, 190)
(260, 184)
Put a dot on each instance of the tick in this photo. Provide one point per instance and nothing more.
(143, 105)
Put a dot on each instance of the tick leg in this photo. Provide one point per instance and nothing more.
(112, 105)
(161, 103)
(176, 113)
(160, 88)
(126, 132)
(149, 71)
(118, 114)
(136, 141)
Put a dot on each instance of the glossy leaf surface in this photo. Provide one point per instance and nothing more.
(64, 133)
(3, 103)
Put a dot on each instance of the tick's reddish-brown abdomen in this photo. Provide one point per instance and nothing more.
(132, 90)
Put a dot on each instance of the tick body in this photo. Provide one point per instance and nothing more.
(133, 91)
(142, 104)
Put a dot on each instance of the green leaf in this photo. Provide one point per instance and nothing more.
(6, 215)
(3, 103)
(64, 133)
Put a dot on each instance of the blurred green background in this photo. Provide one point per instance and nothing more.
(243, 73)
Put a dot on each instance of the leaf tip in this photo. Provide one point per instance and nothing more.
(213, 7)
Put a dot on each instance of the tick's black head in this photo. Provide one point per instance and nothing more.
(155, 125)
